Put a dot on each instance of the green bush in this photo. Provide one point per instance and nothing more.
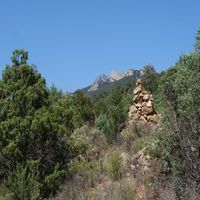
(112, 164)
(31, 131)
(106, 125)
(122, 190)
(150, 78)
(180, 94)
(23, 183)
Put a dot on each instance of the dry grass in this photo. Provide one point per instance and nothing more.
(112, 165)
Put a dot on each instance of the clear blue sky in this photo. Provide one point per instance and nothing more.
(74, 41)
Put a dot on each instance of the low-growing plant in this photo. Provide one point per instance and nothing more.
(23, 183)
(112, 165)
(79, 165)
(139, 144)
(122, 190)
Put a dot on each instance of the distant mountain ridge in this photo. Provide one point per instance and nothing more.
(114, 79)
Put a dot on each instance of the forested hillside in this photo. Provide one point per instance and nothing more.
(56, 145)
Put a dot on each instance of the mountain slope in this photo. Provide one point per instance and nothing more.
(105, 83)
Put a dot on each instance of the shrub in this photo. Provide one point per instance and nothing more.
(122, 190)
(180, 94)
(23, 183)
(31, 131)
(106, 125)
(150, 78)
(112, 164)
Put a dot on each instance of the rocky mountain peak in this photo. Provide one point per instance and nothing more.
(98, 82)
(115, 76)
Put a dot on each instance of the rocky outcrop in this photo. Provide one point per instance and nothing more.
(115, 76)
(98, 82)
(142, 108)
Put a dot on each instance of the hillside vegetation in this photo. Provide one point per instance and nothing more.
(55, 145)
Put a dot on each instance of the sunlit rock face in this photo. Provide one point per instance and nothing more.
(98, 82)
(142, 108)
(115, 76)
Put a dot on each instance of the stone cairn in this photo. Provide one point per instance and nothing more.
(142, 108)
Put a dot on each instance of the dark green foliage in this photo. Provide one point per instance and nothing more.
(181, 129)
(19, 57)
(107, 126)
(65, 112)
(150, 78)
(23, 182)
(22, 91)
(84, 108)
(54, 94)
(31, 132)
(111, 111)
(72, 111)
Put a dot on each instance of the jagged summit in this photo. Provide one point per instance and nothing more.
(98, 82)
(117, 76)
(114, 76)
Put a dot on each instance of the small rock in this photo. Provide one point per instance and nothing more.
(147, 110)
(142, 118)
(137, 89)
(144, 104)
(133, 167)
(138, 82)
(152, 118)
(149, 104)
(138, 105)
(132, 109)
(146, 97)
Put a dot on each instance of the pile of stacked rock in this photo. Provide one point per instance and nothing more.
(142, 108)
